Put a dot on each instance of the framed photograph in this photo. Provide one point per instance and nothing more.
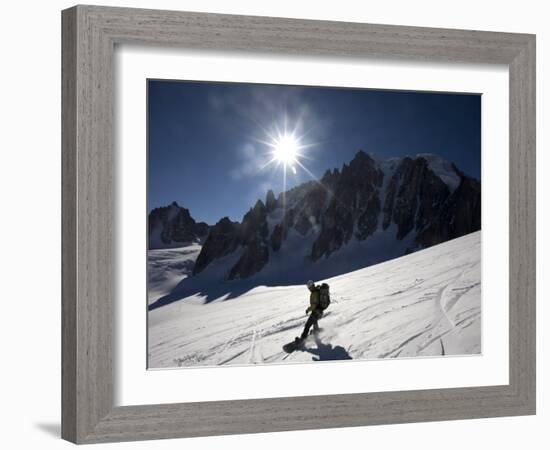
(293, 217)
(306, 210)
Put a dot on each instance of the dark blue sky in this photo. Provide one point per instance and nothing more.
(206, 149)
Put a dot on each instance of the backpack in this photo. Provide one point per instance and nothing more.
(324, 296)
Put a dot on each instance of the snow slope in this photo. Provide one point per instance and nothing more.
(424, 304)
(167, 267)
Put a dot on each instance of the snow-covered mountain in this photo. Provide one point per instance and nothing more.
(367, 212)
(409, 306)
(172, 226)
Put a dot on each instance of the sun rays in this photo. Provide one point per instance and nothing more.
(285, 147)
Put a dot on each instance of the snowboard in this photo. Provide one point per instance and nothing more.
(294, 345)
(298, 343)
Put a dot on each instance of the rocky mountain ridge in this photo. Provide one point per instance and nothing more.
(412, 202)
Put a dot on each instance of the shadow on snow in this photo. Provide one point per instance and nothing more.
(212, 284)
(326, 352)
(210, 291)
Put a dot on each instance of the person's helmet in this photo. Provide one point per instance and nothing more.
(310, 284)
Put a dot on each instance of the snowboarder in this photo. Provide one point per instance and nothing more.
(313, 310)
(319, 299)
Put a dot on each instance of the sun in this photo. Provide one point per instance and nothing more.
(285, 149)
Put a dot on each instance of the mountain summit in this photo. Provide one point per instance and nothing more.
(173, 226)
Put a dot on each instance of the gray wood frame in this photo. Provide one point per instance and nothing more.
(89, 36)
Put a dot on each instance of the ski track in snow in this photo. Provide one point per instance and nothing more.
(427, 303)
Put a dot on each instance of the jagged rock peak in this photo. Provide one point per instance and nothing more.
(225, 222)
(361, 158)
(253, 239)
(259, 206)
(173, 226)
(330, 177)
(222, 240)
(270, 201)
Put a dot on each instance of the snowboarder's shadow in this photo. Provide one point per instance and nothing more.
(326, 352)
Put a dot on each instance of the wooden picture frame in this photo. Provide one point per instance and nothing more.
(89, 37)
